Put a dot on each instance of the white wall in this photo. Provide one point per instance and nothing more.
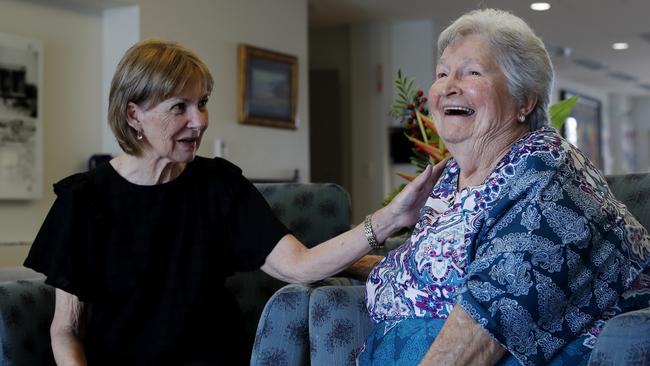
(370, 65)
(73, 86)
(413, 51)
(213, 29)
(120, 30)
(410, 38)
(71, 106)
(329, 48)
(377, 51)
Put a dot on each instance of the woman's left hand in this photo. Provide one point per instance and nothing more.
(406, 205)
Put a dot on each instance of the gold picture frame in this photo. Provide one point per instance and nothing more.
(268, 85)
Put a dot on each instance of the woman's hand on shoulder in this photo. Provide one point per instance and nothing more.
(406, 205)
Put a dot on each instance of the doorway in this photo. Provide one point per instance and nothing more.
(325, 131)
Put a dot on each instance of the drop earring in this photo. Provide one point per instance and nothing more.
(138, 135)
(521, 118)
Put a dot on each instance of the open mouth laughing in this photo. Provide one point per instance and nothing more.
(458, 111)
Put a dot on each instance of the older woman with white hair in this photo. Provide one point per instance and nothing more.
(521, 252)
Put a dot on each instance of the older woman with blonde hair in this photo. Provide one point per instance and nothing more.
(138, 249)
(521, 252)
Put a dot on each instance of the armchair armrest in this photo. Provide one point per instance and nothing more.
(625, 340)
(282, 336)
(338, 324)
(26, 311)
(284, 330)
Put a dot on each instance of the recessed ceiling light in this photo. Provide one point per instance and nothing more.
(620, 46)
(540, 6)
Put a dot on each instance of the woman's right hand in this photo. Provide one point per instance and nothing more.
(406, 205)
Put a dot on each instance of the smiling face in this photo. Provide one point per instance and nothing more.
(469, 100)
(173, 128)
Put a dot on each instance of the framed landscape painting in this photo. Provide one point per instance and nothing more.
(267, 87)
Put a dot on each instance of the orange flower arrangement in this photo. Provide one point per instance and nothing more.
(411, 110)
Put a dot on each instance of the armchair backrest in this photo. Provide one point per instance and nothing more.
(634, 191)
(314, 212)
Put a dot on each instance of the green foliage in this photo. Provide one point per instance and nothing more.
(392, 194)
(409, 102)
(561, 110)
(406, 93)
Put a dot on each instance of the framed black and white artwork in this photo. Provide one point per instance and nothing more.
(21, 128)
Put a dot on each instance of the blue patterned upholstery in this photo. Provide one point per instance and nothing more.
(282, 334)
(624, 341)
(338, 321)
(338, 324)
(26, 310)
(283, 320)
(314, 212)
(634, 191)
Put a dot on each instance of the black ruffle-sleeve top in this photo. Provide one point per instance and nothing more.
(151, 261)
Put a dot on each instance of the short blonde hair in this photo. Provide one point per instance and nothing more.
(150, 72)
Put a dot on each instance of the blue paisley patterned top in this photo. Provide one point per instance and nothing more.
(540, 254)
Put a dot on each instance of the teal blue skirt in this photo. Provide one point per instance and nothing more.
(406, 342)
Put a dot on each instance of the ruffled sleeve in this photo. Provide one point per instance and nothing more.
(551, 259)
(253, 230)
(61, 249)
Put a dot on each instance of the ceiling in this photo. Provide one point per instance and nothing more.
(585, 27)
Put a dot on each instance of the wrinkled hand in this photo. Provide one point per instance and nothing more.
(406, 205)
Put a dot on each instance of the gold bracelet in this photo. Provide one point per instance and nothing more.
(370, 234)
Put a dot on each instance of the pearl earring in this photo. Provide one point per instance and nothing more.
(138, 135)
(521, 117)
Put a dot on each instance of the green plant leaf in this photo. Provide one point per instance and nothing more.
(392, 194)
(409, 86)
(561, 110)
